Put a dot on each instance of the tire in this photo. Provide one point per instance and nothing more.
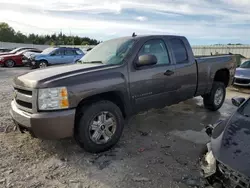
(42, 64)
(85, 119)
(213, 101)
(10, 63)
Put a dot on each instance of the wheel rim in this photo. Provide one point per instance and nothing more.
(218, 97)
(42, 65)
(10, 63)
(102, 127)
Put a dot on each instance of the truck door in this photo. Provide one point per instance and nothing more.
(185, 68)
(153, 86)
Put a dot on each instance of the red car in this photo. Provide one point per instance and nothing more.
(16, 59)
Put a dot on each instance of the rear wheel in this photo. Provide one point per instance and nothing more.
(99, 126)
(10, 63)
(214, 100)
(42, 64)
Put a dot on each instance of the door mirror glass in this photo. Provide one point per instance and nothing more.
(146, 60)
(237, 101)
(53, 54)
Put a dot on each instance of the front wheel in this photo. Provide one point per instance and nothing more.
(42, 64)
(99, 126)
(10, 63)
(214, 100)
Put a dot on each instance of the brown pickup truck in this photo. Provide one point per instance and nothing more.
(116, 79)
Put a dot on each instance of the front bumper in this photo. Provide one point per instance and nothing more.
(45, 125)
(242, 81)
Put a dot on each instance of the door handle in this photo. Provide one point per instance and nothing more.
(168, 73)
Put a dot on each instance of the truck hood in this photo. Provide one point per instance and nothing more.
(232, 146)
(34, 78)
(242, 73)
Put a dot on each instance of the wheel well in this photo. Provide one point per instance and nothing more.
(113, 96)
(222, 76)
(43, 60)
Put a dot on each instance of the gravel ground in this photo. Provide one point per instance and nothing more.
(159, 148)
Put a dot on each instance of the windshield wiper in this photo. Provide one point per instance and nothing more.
(91, 62)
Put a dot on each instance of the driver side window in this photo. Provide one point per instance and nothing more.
(156, 47)
(59, 52)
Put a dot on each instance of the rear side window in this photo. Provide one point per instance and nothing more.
(78, 52)
(179, 50)
(69, 52)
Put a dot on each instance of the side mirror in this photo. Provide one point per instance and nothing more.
(53, 54)
(145, 60)
(237, 101)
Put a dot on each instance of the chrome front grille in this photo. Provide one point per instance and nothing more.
(23, 99)
(237, 180)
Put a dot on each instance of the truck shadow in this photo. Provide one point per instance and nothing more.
(149, 150)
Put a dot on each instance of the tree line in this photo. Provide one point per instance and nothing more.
(8, 34)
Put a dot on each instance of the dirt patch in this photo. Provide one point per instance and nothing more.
(148, 154)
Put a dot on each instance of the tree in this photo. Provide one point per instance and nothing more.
(8, 34)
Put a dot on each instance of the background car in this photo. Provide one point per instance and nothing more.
(56, 56)
(16, 59)
(5, 50)
(16, 50)
(242, 75)
(225, 160)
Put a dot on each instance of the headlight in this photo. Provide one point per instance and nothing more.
(53, 98)
(1, 58)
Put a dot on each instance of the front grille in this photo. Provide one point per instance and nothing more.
(237, 180)
(242, 81)
(23, 99)
(25, 104)
(26, 92)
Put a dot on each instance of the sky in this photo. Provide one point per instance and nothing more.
(201, 21)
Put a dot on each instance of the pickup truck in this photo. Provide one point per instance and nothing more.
(116, 79)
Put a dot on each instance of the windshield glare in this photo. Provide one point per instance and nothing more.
(15, 50)
(109, 52)
(245, 64)
(48, 50)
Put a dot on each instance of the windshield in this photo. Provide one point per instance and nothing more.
(48, 50)
(109, 52)
(245, 109)
(245, 65)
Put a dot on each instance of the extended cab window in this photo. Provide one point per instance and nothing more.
(179, 50)
(156, 47)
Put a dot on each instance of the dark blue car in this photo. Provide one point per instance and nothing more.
(56, 56)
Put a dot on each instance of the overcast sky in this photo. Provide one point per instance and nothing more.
(201, 21)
